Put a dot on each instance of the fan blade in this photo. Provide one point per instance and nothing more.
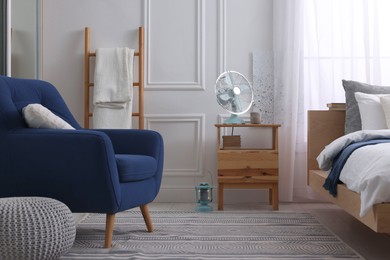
(236, 104)
(224, 97)
(228, 80)
(244, 88)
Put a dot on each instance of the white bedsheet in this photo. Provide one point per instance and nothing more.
(367, 171)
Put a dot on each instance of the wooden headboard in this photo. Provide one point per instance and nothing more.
(324, 126)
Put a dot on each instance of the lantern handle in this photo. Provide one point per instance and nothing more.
(210, 177)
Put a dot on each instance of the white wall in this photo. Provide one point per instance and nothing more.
(188, 43)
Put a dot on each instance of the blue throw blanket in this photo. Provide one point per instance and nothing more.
(338, 163)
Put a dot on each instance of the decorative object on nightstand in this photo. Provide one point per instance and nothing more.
(255, 118)
(249, 168)
(234, 93)
(231, 141)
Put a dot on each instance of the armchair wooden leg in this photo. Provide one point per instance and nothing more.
(110, 221)
(146, 215)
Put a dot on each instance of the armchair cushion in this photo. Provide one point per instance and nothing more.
(38, 116)
(135, 167)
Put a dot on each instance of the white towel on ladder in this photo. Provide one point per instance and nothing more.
(113, 88)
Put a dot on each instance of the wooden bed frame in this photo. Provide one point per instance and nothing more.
(324, 126)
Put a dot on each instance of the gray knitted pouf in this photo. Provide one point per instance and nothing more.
(35, 228)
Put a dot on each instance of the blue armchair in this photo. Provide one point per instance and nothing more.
(97, 171)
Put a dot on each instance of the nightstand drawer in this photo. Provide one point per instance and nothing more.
(248, 172)
(248, 179)
(248, 159)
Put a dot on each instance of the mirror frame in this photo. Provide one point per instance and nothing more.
(6, 37)
(9, 53)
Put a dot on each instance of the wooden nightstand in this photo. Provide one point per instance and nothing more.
(243, 168)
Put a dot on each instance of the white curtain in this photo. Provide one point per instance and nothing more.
(317, 43)
(288, 83)
(346, 39)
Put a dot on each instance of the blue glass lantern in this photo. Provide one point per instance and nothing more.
(204, 195)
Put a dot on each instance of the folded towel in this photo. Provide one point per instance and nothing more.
(113, 77)
(113, 91)
(107, 118)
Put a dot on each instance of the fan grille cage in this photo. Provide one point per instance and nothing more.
(234, 92)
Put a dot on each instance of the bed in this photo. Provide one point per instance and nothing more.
(324, 126)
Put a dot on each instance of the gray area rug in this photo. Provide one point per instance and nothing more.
(216, 235)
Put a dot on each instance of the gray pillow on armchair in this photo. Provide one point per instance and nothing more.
(353, 121)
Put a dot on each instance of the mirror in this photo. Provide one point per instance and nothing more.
(20, 46)
(25, 38)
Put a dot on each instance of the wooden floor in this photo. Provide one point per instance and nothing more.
(370, 245)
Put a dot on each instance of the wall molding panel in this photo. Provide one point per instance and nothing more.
(172, 64)
(184, 136)
(221, 36)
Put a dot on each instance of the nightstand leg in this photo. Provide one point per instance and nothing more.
(270, 196)
(275, 197)
(220, 196)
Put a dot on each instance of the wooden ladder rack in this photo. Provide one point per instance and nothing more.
(140, 84)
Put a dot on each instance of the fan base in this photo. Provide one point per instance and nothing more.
(234, 119)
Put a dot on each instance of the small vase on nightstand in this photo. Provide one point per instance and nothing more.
(255, 118)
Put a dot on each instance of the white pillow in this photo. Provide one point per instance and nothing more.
(38, 116)
(385, 102)
(371, 111)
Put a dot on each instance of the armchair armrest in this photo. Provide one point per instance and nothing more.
(135, 141)
(142, 142)
(74, 166)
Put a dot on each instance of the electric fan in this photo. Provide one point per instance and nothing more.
(235, 94)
